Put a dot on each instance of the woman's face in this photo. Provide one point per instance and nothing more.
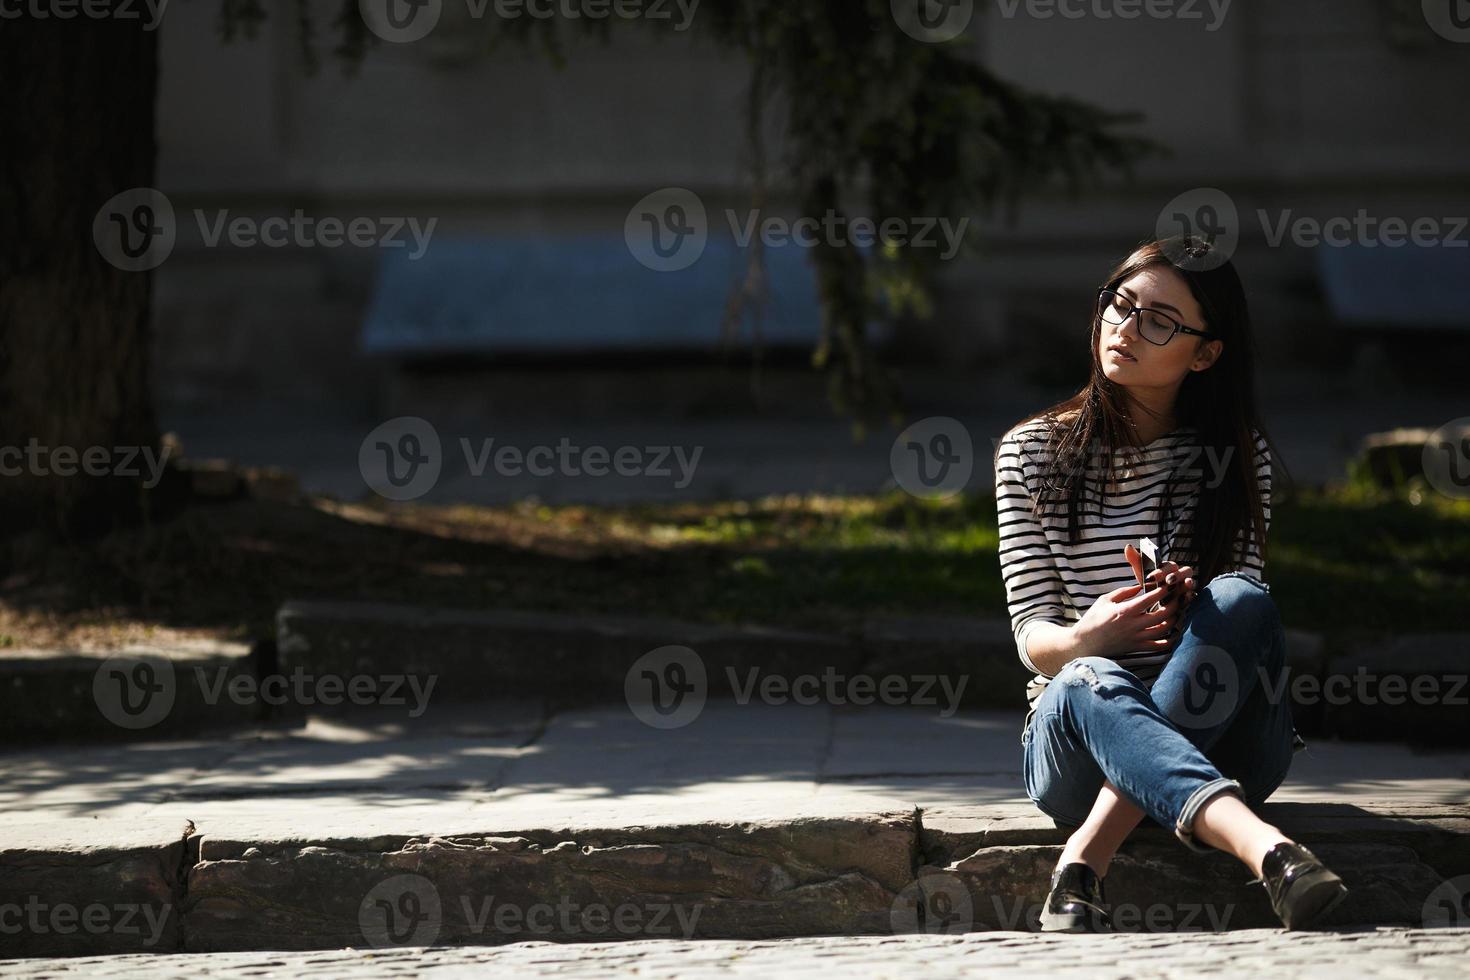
(1129, 360)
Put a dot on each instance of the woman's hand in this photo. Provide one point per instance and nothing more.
(1120, 622)
(1171, 574)
(1179, 578)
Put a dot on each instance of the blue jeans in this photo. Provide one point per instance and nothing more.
(1207, 726)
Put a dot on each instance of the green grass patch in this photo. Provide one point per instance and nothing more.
(1342, 559)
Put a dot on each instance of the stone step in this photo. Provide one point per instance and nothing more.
(663, 869)
(1410, 688)
(578, 658)
(167, 688)
(330, 655)
(1401, 863)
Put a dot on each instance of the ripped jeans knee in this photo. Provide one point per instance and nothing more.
(1097, 673)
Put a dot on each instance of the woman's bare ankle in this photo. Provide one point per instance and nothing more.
(1261, 847)
(1083, 851)
(1227, 824)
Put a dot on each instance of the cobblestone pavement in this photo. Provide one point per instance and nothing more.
(1381, 952)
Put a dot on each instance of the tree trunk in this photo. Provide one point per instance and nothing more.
(74, 338)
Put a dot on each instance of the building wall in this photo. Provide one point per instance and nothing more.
(1315, 106)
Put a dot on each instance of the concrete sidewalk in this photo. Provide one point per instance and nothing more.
(500, 757)
(760, 821)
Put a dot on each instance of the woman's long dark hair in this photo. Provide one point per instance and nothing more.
(1220, 402)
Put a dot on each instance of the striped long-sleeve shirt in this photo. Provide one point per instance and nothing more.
(1049, 580)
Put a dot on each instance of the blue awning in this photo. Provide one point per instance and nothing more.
(489, 294)
(1407, 285)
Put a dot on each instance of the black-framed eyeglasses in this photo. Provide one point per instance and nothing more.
(1156, 327)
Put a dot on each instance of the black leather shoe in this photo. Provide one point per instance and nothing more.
(1075, 901)
(1302, 890)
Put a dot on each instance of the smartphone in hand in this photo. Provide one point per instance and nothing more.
(1148, 563)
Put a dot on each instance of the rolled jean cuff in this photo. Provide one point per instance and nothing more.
(1184, 827)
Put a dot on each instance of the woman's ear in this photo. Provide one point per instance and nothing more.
(1207, 355)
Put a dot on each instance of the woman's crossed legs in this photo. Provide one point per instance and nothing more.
(1212, 736)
